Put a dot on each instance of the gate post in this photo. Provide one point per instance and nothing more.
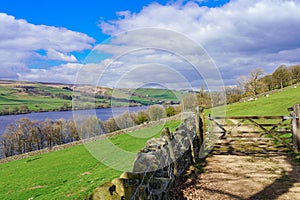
(296, 127)
(200, 129)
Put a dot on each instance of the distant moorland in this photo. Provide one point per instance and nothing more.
(18, 97)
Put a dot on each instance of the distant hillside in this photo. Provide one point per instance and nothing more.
(18, 97)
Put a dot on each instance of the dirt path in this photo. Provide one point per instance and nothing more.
(244, 167)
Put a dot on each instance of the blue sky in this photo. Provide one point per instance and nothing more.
(81, 16)
(48, 40)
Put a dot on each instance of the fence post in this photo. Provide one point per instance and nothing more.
(200, 130)
(296, 127)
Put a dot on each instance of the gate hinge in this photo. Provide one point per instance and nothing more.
(289, 117)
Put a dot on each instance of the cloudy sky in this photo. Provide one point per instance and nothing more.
(134, 43)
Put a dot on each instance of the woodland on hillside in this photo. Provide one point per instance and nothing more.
(257, 82)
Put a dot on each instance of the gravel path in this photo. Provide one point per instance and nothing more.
(243, 167)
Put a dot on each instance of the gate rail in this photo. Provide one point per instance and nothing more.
(272, 129)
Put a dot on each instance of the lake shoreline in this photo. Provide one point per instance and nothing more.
(63, 110)
(102, 113)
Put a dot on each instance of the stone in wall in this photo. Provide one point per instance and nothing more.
(106, 192)
(158, 165)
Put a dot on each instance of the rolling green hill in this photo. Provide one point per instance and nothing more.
(71, 173)
(22, 97)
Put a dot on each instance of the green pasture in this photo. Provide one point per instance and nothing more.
(71, 173)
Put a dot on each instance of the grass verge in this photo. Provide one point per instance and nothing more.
(71, 173)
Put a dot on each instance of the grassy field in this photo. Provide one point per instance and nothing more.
(45, 98)
(23, 97)
(276, 104)
(160, 94)
(67, 174)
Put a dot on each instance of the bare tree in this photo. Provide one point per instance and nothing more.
(255, 86)
(189, 102)
(47, 131)
(111, 125)
(73, 134)
(242, 83)
(156, 112)
(125, 121)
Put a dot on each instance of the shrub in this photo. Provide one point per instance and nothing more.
(142, 117)
(170, 111)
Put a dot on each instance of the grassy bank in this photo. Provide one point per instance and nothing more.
(67, 174)
(274, 105)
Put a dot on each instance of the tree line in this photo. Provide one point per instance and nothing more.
(26, 135)
(257, 82)
(24, 109)
(247, 86)
(153, 113)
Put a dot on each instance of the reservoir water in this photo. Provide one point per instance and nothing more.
(103, 114)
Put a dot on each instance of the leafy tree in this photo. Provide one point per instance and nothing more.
(268, 82)
(142, 117)
(233, 94)
(170, 111)
(281, 77)
(295, 70)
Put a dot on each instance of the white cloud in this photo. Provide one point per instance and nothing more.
(21, 42)
(239, 36)
(65, 73)
(56, 55)
(176, 60)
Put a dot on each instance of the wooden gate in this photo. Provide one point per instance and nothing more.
(285, 129)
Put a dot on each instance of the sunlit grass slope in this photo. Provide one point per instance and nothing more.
(67, 174)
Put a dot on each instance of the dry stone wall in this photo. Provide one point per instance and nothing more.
(157, 166)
